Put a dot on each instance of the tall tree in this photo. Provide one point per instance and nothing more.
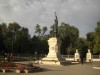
(44, 29)
(4, 29)
(90, 40)
(40, 42)
(97, 42)
(81, 44)
(69, 35)
(13, 29)
(2, 44)
(23, 41)
(38, 29)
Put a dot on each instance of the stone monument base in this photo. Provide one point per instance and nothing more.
(54, 57)
(53, 61)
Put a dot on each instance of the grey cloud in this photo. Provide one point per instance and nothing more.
(81, 13)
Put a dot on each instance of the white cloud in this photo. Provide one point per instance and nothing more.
(81, 13)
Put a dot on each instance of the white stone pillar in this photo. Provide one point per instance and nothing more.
(88, 56)
(77, 55)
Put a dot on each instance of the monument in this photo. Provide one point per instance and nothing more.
(88, 56)
(77, 56)
(55, 27)
(54, 56)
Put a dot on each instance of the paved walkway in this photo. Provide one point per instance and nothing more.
(76, 69)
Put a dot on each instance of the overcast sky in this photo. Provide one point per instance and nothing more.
(82, 14)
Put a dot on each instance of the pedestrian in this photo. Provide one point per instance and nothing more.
(82, 59)
(5, 57)
(10, 57)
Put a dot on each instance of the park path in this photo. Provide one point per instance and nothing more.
(76, 69)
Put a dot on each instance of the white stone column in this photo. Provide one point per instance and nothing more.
(77, 55)
(88, 56)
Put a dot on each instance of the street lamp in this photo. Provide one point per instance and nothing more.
(12, 45)
(13, 38)
(35, 55)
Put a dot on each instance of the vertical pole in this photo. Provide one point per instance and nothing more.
(12, 46)
(35, 55)
(68, 55)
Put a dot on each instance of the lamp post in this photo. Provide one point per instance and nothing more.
(12, 45)
(13, 38)
(35, 55)
(41, 54)
(68, 51)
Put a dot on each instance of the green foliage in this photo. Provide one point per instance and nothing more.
(16, 39)
(4, 29)
(23, 40)
(90, 36)
(2, 38)
(14, 27)
(91, 40)
(40, 42)
(44, 29)
(1, 41)
(38, 29)
(97, 30)
(69, 35)
(97, 42)
(97, 47)
(82, 46)
(39, 45)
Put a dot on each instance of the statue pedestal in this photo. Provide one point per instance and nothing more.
(77, 56)
(88, 56)
(54, 56)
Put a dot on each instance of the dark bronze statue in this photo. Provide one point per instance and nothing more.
(55, 26)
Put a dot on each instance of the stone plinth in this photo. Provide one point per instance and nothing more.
(77, 56)
(54, 56)
(88, 56)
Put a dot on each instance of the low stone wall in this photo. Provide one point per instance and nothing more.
(93, 60)
(96, 60)
(70, 59)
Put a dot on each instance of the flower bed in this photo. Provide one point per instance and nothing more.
(18, 66)
(7, 65)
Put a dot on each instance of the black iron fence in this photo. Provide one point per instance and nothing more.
(30, 57)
